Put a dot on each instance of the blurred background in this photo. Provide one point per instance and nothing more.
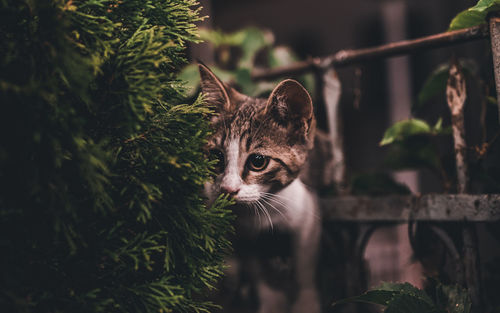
(375, 94)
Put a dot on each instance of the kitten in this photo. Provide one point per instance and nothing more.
(261, 146)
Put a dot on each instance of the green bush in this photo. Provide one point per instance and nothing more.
(100, 163)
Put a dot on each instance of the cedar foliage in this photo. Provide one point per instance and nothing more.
(100, 163)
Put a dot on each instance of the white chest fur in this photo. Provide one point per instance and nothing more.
(294, 207)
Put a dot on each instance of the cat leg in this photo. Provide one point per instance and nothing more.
(307, 301)
(271, 300)
(305, 251)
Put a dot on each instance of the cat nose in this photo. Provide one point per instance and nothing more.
(230, 190)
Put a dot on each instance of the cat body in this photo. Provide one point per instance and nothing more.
(261, 146)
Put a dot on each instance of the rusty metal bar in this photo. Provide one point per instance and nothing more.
(456, 94)
(348, 57)
(495, 49)
(398, 209)
(472, 266)
(332, 90)
(453, 252)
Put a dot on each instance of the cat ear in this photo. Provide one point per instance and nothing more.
(289, 101)
(224, 98)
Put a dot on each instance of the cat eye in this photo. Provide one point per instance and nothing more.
(257, 162)
(217, 155)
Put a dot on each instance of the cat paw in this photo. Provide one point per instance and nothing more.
(307, 302)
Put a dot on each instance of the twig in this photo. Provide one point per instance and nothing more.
(483, 149)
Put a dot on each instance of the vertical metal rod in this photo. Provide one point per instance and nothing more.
(332, 90)
(471, 265)
(453, 251)
(456, 95)
(495, 49)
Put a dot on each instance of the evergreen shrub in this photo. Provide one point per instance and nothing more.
(101, 165)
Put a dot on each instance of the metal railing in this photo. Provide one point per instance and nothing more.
(363, 214)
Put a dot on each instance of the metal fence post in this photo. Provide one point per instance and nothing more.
(495, 49)
(332, 90)
(456, 95)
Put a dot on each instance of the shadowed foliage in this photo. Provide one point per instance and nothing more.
(100, 162)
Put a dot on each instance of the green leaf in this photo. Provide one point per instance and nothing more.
(475, 15)
(250, 40)
(244, 79)
(439, 125)
(467, 19)
(191, 77)
(398, 298)
(404, 129)
(219, 38)
(281, 56)
(415, 152)
(483, 5)
(412, 146)
(255, 39)
(492, 100)
(405, 303)
(436, 82)
(407, 288)
(382, 297)
(453, 298)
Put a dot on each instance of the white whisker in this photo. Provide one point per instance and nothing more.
(275, 195)
(264, 209)
(275, 200)
(256, 210)
(266, 213)
(275, 208)
(278, 202)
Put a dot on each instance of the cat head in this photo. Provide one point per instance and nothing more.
(260, 144)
